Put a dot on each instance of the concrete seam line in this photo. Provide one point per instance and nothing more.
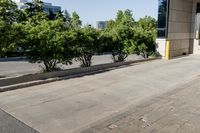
(35, 131)
(24, 85)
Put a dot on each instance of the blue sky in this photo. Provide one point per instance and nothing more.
(91, 11)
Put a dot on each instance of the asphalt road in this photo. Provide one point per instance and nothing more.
(13, 68)
(71, 106)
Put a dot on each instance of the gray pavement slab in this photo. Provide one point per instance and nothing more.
(70, 106)
(177, 111)
(9, 124)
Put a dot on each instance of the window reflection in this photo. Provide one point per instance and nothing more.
(162, 18)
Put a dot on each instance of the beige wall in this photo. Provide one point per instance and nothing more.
(180, 30)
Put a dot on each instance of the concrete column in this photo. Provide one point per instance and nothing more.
(180, 33)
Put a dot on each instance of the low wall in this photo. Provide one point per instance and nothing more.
(12, 59)
(59, 74)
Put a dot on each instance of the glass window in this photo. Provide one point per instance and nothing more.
(198, 8)
(162, 18)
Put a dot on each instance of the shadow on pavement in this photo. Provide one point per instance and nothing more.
(9, 124)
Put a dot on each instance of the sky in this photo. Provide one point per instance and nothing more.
(91, 11)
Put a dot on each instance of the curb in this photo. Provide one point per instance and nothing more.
(12, 59)
(8, 84)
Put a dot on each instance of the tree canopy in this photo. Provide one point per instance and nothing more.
(88, 43)
(9, 14)
(60, 38)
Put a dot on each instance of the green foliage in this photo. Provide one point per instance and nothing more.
(8, 11)
(34, 12)
(124, 36)
(9, 14)
(145, 36)
(88, 44)
(67, 16)
(34, 7)
(120, 35)
(6, 37)
(75, 21)
(147, 23)
(59, 38)
(120, 31)
(47, 43)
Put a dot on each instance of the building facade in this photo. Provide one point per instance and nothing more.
(178, 27)
(48, 7)
(21, 4)
(101, 24)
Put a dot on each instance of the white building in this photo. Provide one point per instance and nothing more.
(21, 4)
(47, 6)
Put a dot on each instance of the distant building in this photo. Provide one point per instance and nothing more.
(47, 6)
(101, 24)
(21, 4)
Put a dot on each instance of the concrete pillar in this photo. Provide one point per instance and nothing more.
(180, 32)
(181, 20)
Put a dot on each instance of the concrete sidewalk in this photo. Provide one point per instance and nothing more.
(78, 104)
(177, 111)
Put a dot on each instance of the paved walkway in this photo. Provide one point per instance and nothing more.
(177, 111)
(76, 105)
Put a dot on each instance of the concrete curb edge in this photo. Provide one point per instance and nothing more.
(14, 83)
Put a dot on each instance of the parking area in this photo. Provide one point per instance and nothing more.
(13, 68)
(77, 105)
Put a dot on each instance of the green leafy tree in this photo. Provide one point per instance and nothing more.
(122, 38)
(67, 16)
(88, 45)
(64, 16)
(34, 7)
(147, 23)
(75, 21)
(105, 40)
(6, 38)
(34, 12)
(145, 36)
(119, 17)
(9, 14)
(49, 43)
(60, 15)
(8, 11)
(120, 31)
